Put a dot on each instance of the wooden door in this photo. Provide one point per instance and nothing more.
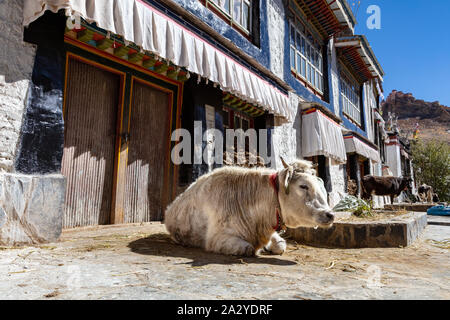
(147, 152)
(91, 103)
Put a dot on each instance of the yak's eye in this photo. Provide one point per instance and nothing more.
(304, 186)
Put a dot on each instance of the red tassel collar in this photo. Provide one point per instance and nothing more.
(275, 185)
(274, 182)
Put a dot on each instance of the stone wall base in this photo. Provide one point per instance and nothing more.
(419, 207)
(372, 234)
(31, 208)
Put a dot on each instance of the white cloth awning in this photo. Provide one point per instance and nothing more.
(355, 145)
(152, 30)
(322, 136)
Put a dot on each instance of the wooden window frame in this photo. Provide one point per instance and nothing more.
(229, 16)
(350, 97)
(232, 114)
(307, 63)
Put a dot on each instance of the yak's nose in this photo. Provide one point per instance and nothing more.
(330, 216)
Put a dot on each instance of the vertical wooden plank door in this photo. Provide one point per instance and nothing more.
(91, 105)
(147, 152)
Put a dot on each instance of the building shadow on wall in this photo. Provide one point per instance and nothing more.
(161, 245)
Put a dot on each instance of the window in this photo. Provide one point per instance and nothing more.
(241, 122)
(235, 120)
(237, 12)
(350, 95)
(306, 57)
(226, 118)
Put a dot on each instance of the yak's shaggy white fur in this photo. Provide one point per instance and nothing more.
(232, 210)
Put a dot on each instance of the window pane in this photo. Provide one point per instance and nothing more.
(308, 57)
(303, 45)
(225, 5)
(298, 63)
(303, 67)
(237, 11)
(244, 124)
(298, 40)
(308, 72)
(292, 35)
(237, 122)
(225, 116)
(292, 57)
(351, 100)
(317, 80)
(246, 16)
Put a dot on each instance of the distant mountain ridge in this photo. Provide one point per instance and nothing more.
(432, 117)
(405, 106)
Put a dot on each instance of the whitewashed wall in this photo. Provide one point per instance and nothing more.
(276, 24)
(286, 138)
(393, 159)
(337, 182)
(334, 76)
(370, 103)
(16, 65)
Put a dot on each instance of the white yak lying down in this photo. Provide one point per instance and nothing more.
(237, 211)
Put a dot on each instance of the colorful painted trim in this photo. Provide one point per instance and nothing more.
(238, 104)
(314, 109)
(114, 44)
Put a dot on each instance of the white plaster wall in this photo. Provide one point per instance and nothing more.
(393, 159)
(276, 16)
(369, 99)
(16, 65)
(377, 169)
(337, 182)
(286, 137)
(334, 76)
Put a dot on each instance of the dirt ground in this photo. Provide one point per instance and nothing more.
(140, 262)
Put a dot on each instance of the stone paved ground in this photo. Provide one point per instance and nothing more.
(140, 262)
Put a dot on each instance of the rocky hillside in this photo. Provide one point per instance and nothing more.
(432, 117)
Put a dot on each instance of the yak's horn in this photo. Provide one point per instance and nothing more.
(285, 165)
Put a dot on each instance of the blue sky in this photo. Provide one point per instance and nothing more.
(413, 46)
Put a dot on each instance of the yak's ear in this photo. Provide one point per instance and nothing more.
(287, 179)
(285, 165)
